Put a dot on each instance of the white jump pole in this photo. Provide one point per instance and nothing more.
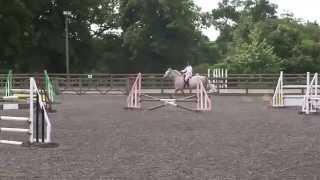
(226, 78)
(31, 110)
(214, 75)
(316, 84)
(209, 72)
(221, 78)
(133, 99)
(281, 89)
(316, 89)
(308, 94)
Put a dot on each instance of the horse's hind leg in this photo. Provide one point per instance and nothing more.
(175, 93)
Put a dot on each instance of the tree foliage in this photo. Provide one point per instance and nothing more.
(122, 36)
(160, 33)
(253, 56)
(279, 43)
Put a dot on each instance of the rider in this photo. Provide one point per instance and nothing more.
(187, 74)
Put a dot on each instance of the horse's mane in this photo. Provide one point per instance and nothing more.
(176, 72)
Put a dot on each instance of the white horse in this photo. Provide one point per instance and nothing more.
(178, 79)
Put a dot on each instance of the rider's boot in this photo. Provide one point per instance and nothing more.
(186, 83)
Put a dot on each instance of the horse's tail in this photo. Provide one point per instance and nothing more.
(206, 82)
(210, 87)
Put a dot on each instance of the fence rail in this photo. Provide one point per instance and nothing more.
(104, 83)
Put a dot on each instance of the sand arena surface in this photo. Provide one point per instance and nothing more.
(242, 138)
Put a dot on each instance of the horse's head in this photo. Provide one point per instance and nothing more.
(167, 74)
(171, 73)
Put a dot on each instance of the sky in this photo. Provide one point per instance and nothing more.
(306, 10)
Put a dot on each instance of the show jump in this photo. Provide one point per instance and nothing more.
(201, 100)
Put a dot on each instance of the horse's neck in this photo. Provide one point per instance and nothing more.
(176, 74)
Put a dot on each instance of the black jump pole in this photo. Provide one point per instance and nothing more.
(42, 124)
(37, 117)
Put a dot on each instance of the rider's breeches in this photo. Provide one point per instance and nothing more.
(187, 76)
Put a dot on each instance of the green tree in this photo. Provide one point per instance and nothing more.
(15, 30)
(255, 56)
(159, 33)
(32, 35)
(294, 44)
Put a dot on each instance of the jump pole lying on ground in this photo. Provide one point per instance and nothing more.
(135, 98)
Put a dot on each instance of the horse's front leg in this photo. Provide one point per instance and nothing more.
(176, 91)
(182, 92)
